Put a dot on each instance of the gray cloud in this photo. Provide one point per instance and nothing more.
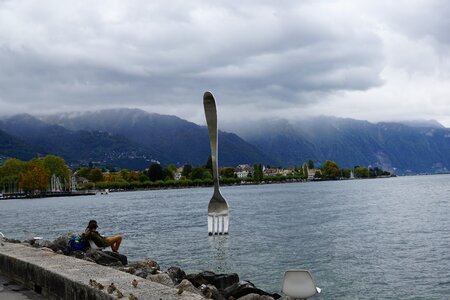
(56, 55)
(260, 56)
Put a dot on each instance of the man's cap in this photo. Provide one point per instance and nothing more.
(92, 224)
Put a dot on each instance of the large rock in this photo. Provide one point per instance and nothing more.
(187, 286)
(176, 274)
(162, 278)
(211, 292)
(243, 288)
(44, 243)
(61, 242)
(220, 281)
(144, 268)
(196, 279)
(78, 254)
(106, 258)
(122, 258)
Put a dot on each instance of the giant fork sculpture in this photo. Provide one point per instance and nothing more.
(218, 217)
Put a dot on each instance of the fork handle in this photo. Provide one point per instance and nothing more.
(209, 105)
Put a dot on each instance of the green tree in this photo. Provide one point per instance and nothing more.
(198, 173)
(300, 172)
(155, 172)
(305, 170)
(125, 174)
(55, 165)
(227, 172)
(34, 178)
(187, 169)
(10, 173)
(143, 177)
(208, 165)
(361, 172)
(95, 175)
(346, 172)
(11, 169)
(169, 172)
(207, 175)
(83, 172)
(310, 164)
(330, 170)
(258, 174)
(318, 174)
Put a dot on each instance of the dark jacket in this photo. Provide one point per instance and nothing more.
(94, 236)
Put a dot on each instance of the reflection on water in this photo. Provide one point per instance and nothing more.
(384, 238)
(219, 245)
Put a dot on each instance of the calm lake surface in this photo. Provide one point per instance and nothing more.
(383, 238)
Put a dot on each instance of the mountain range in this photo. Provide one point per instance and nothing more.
(132, 138)
(414, 147)
(126, 138)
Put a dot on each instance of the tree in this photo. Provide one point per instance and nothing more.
(361, 172)
(346, 172)
(34, 178)
(11, 169)
(83, 172)
(95, 175)
(10, 173)
(125, 174)
(143, 177)
(208, 165)
(310, 164)
(155, 172)
(258, 174)
(133, 176)
(198, 173)
(169, 172)
(187, 169)
(55, 165)
(305, 170)
(300, 172)
(330, 170)
(227, 172)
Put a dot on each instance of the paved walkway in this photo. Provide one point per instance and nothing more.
(10, 290)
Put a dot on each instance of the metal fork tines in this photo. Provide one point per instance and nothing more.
(218, 216)
(218, 224)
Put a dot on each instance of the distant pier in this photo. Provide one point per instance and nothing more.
(7, 196)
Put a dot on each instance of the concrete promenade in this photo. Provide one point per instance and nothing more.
(10, 290)
(56, 276)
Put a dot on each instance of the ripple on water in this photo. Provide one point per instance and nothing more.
(385, 238)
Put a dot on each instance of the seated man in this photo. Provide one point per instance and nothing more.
(91, 233)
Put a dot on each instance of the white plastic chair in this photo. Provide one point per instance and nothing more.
(299, 284)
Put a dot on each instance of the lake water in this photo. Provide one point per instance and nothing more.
(384, 238)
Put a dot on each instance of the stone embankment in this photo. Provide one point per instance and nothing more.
(95, 274)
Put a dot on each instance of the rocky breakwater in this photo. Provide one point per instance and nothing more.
(207, 284)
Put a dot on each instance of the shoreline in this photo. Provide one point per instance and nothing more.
(91, 192)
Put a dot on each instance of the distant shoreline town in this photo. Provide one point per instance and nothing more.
(50, 176)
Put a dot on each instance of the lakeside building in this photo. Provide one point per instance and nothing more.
(312, 173)
(178, 172)
(242, 174)
(271, 172)
(242, 171)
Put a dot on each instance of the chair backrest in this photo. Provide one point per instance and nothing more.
(298, 284)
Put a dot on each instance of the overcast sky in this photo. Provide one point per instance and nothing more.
(374, 60)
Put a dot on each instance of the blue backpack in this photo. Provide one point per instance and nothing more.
(77, 244)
